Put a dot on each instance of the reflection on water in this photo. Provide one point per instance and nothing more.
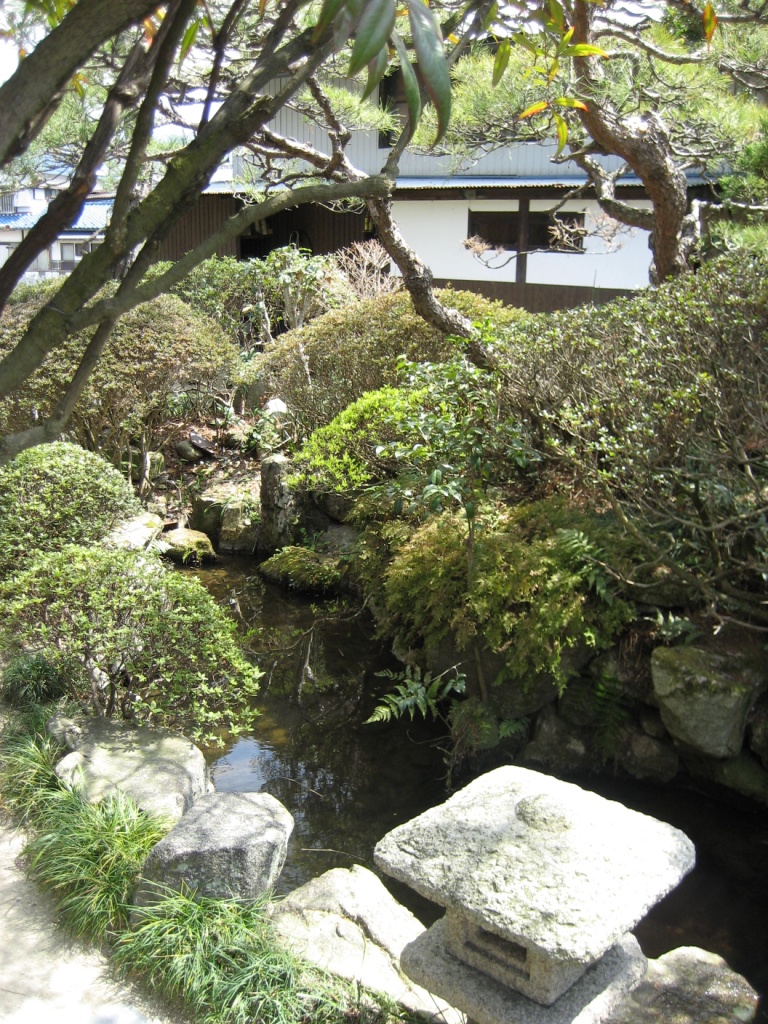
(347, 784)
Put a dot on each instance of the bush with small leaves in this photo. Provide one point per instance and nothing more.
(158, 352)
(58, 494)
(538, 586)
(329, 363)
(132, 636)
(656, 404)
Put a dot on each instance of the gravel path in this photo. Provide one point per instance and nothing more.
(45, 976)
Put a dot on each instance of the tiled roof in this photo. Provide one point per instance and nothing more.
(18, 221)
(94, 217)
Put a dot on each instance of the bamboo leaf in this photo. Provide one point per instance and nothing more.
(502, 59)
(428, 44)
(534, 109)
(583, 50)
(376, 71)
(490, 17)
(562, 132)
(565, 41)
(188, 40)
(568, 101)
(412, 90)
(375, 28)
(557, 15)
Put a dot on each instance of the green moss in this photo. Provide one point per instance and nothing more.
(303, 570)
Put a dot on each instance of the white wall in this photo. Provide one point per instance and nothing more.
(436, 229)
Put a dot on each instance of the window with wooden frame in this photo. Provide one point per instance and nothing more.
(526, 230)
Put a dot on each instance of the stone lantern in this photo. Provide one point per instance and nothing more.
(542, 882)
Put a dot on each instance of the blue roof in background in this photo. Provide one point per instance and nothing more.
(18, 221)
(93, 217)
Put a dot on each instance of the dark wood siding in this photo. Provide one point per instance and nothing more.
(309, 227)
(538, 298)
(199, 223)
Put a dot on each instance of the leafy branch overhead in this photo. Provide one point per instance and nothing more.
(373, 26)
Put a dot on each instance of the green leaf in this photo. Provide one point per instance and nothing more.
(376, 71)
(502, 59)
(374, 30)
(583, 50)
(568, 101)
(428, 44)
(411, 83)
(557, 14)
(328, 14)
(490, 17)
(562, 133)
(188, 40)
(561, 46)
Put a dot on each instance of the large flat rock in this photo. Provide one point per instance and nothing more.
(347, 923)
(162, 771)
(541, 863)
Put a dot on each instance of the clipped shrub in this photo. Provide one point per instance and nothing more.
(332, 361)
(58, 494)
(343, 455)
(250, 299)
(133, 637)
(159, 354)
(229, 291)
(537, 587)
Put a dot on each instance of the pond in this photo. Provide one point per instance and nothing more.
(347, 783)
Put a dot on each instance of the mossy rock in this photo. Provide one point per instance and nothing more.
(190, 547)
(307, 571)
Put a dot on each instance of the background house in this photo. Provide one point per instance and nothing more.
(20, 211)
(504, 196)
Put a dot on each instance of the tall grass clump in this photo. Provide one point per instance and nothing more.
(28, 782)
(221, 960)
(89, 857)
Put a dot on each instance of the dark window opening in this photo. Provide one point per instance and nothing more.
(528, 231)
(392, 97)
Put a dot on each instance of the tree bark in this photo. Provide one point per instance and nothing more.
(33, 92)
(417, 278)
(643, 142)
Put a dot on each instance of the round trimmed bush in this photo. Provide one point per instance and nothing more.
(131, 636)
(323, 367)
(160, 356)
(58, 494)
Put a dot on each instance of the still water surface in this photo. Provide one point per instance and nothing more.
(346, 784)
